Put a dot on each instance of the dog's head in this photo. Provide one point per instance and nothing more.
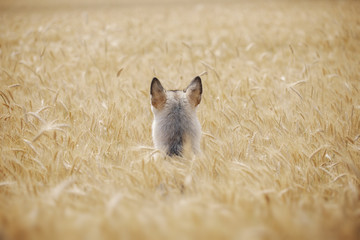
(161, 97)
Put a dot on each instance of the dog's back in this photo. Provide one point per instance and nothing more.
(175, 122)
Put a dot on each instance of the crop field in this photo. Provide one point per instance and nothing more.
(280, 116)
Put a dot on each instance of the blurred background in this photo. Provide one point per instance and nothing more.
(89, 3)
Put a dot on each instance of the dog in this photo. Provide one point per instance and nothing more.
(175, 122)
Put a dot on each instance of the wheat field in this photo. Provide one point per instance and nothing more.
(280, 116)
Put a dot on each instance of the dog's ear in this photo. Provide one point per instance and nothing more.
(194, 91)
(157, 92)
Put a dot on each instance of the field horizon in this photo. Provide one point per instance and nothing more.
(280, 116)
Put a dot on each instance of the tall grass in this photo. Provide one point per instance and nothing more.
(280, 116)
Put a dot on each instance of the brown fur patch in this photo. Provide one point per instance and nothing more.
(194, 91)
(158, 95)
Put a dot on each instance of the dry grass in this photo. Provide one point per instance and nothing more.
(280, 117)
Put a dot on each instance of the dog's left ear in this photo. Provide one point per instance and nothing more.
(194, 91)
(157, 92)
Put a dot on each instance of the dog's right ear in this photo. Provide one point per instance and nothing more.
(157, 92)
(194, 91)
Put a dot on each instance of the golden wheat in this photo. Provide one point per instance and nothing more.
(280, 117)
